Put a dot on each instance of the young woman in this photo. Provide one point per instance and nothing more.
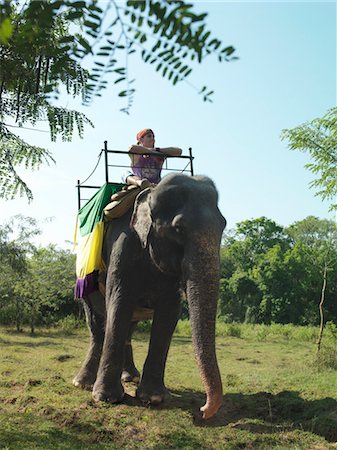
(147, 160)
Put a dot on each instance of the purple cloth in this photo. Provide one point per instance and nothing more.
(149, 167)
(87, 285)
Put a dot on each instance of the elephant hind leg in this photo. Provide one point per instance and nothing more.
(94, 308)
(130, 372)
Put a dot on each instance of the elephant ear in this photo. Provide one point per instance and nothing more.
(141, 219)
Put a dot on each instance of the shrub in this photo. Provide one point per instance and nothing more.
(234, 330)
(326, 358)
(69, 324)
(184, 328)
(144, 326)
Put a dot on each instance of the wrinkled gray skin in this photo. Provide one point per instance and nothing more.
(170, 242)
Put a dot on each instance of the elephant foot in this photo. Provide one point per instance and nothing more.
(100, 394)
(153, 395)
(130, 375)
(84, 381)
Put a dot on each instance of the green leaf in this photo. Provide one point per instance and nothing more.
(205, 36)
(78, 4)
(156, 46)
(92, 25)
(6, 30)
(85, 44)
(228, 50)
(93, 7)
(95, 16)
(74, 15)
(120, 70)
(65, 39)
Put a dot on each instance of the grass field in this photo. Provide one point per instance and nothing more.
(274, 395)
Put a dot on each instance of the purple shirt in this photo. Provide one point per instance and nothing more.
(148, 167)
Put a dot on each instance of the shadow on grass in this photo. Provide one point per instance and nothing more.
(265, 413)
(141, 336)
(78, 436)
(30, 344)
(259, 413)
(27, 339)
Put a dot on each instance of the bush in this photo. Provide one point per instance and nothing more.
(144, 326)
(262, 332)
(234, 330)
(184, 328)
(326, 358)
(69, 324)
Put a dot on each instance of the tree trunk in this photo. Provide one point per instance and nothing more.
(32, 319)
(321, 311)
(18, 314)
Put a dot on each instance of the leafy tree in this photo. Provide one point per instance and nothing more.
(318, 138)
(77, 46)
(240, 293)
(48, 285)
(271, 274)
(253, 238)
(282, 278)
(320, 240)
(37, 283)
(33, 65)
(14, 246)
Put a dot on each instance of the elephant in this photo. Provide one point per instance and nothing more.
(167, 245)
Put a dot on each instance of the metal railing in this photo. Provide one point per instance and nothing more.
(80, 185)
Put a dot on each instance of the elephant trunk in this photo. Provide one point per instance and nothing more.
(202, 288)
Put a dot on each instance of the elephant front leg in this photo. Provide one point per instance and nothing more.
(108, 386)
(152, 387)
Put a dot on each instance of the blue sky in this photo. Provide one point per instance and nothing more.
(285, 76)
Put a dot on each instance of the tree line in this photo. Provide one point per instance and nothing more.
(269, 273)
(37, 283)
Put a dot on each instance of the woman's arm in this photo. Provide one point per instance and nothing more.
(170, 151)
(167, 151)
(142, 150)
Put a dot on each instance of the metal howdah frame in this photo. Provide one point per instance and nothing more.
(81, 187)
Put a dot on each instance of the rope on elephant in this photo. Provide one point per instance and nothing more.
(89, 176)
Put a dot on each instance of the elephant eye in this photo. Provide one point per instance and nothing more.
(179, 229)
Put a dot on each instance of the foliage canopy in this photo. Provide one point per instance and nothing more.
(318, 138)
(37, 283)
(274, 274)
(77, 47)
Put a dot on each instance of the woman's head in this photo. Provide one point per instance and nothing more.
(146, 138)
